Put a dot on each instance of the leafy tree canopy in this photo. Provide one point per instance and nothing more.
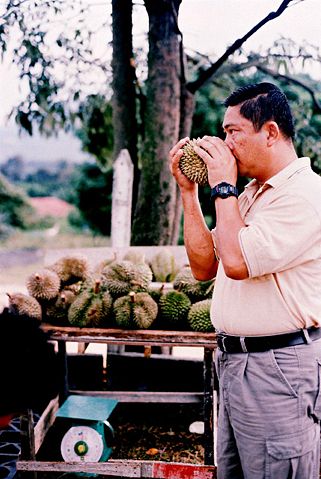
(15, 210)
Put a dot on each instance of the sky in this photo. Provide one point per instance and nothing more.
(208, 26)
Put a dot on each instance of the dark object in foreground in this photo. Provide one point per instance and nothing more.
(27, 365)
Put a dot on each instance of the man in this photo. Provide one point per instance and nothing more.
(29, 370)
(266, 254)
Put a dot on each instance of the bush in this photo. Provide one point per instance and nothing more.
(15, 209)
(92, 196)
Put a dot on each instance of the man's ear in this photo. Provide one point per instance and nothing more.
(272, 132)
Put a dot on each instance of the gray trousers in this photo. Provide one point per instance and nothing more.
(269, 411)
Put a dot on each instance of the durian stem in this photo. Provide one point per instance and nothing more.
(132, 296)
(147, 351)
(97, 286)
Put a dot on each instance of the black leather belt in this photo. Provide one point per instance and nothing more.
(258, 344)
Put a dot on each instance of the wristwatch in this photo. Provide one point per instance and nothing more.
(223, 190)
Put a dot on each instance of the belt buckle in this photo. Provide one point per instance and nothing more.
(222, 346)
(243, 346)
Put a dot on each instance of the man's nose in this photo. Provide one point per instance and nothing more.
(228, 142)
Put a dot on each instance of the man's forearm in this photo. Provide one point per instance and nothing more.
(228, 225)
(198, 239)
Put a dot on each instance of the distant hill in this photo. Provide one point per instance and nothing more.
(39, 148)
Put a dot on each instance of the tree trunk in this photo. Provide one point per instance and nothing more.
(155, 212)
(124, 79)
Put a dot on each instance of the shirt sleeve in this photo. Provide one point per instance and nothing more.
(281, 235)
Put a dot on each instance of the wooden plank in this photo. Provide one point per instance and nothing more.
(146, 396)
(110, 468)
(131, 337)
(27, 436)
(46, 420)
(125, 468)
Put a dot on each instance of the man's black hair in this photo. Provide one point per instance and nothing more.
(261, 102)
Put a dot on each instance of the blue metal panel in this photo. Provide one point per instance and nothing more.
(87, 407)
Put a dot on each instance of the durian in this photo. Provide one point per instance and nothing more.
(135, 311)
(136, 257)
(71, 269)
(22, 304)
(195, 290)
(164, 266)
(125, 276)
(173, 309)
(43, 285)
(199, 317)
(156, 292)
(57, 312)
(91, 308)
(103, 264)
(192, 165)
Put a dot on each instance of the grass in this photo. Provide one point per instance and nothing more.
(61, 235)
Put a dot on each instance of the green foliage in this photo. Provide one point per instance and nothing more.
(46, 180)
(42, 51)
(96, 131)
(15, 211)
(86, 186)
(92, 195)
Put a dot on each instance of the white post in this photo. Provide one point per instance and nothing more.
(122, 200)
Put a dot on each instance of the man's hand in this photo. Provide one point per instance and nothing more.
(174, 156)
(221, 163)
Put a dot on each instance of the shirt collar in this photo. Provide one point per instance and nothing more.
(283, 175)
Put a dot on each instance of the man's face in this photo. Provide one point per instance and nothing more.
(247, 145)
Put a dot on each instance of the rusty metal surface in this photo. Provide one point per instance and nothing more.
(133, 337)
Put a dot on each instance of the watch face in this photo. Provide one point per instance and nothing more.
(224, 190)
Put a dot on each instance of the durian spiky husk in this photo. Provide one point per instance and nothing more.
(57, 312)
(122, 312)
(173, 308)
(43, 285)
(135, 311)
(192, 165)
(163, 265)
(22, 304)
(145, 310)
(136, 257)
(71, 269)
(199, 317)
(124, 276)
(91, 308)
(195, 290)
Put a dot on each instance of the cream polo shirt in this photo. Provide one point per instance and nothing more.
(281, 245)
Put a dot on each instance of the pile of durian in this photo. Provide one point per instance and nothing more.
(129, 293)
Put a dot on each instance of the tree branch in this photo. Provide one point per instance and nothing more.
(207, 74)
(291, 79)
